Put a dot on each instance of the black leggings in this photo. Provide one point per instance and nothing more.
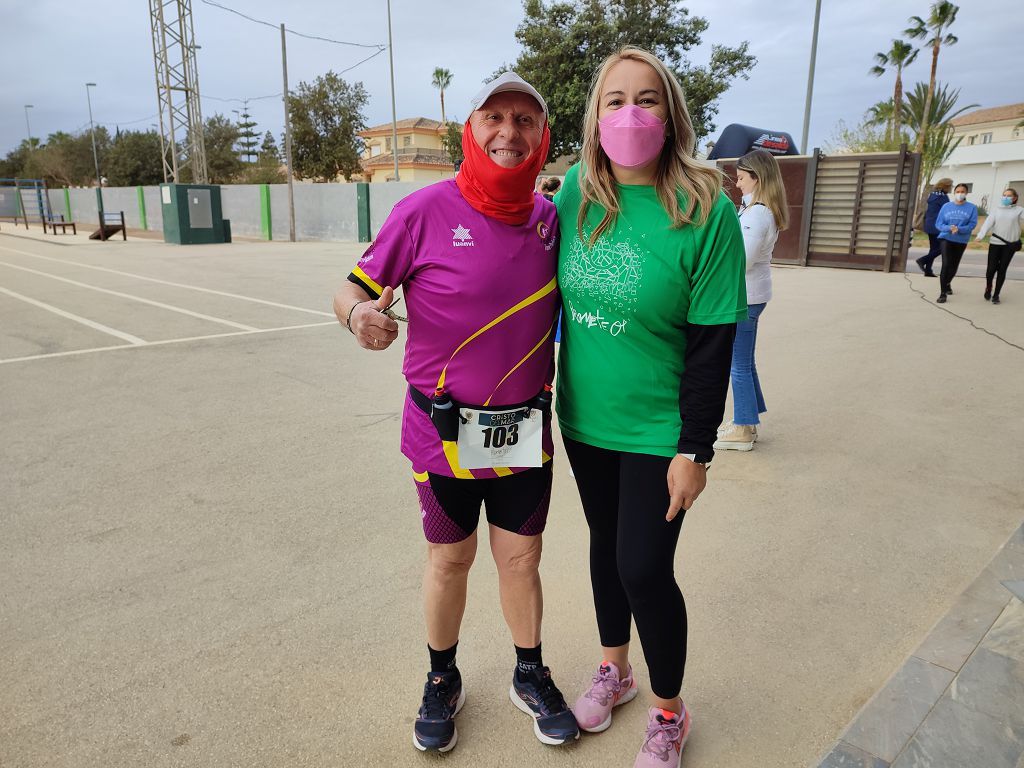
(632, 548)
(999, 258)
(951, 255)
(934, 249)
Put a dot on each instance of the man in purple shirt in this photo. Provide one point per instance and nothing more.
(476, 260)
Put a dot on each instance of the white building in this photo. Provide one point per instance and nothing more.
(990, 157)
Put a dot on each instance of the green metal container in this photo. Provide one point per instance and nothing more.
(192, 214)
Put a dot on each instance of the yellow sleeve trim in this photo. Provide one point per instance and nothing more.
(420, 477)
(358, 272)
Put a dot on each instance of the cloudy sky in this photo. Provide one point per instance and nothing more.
(108, 42)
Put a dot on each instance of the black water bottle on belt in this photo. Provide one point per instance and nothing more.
(543, 401)
(445, 416)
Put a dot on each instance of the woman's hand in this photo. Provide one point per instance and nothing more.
(686, 481)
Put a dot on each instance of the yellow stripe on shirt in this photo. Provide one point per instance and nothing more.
(358, 272)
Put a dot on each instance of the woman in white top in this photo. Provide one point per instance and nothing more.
(763, 214)
(1005, 223)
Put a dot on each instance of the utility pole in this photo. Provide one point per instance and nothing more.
(394, 116)
(810, 79)
(28, 128)
(177, 89)
(95, 157)
(288, 141)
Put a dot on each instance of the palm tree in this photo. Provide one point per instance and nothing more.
(881, 114)
(442, 79)
(940, 18)
(935, 126)
(901, 55)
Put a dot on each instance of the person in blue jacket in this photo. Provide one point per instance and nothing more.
(938, 198)
(955, 222)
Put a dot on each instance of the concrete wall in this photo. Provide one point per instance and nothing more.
(123, 199)
(57, 207)
(83, 206)
(154, 208)
(322, 211)
(241, 204)
(383, 198)
(325, 212)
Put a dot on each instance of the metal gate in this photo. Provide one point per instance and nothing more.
(861, 214)
(845, 210)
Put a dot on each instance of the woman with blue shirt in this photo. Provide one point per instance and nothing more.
(938, 198)
(955, 222)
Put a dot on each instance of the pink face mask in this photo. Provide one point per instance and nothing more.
(631, 137)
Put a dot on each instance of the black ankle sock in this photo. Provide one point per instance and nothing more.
(442, 661)
(528, 659)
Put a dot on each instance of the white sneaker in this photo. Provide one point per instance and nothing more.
(738, 437)
(730, 424)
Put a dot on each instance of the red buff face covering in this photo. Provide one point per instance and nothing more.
(505, 194)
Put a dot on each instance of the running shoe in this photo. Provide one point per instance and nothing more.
(443, 697)
(727, 427)
(536, 694)
(739, 437)
(593, 709)
(666, 736)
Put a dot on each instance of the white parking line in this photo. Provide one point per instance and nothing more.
(161, 305)
(176, 285)
(163, 341)
(133, 340)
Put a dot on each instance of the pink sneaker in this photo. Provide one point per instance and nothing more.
(593, 709)
(666, 735)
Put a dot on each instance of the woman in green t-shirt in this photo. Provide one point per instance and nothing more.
(651, 270)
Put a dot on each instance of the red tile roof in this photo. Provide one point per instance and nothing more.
(991, 115)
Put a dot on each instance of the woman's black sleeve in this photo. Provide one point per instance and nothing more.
(704, 386)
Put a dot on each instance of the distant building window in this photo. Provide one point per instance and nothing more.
(970, 140)
(407, 141)
(1016, 133)
(970, 187)
(986, 138)
(387, 145)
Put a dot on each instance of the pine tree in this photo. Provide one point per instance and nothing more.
(249, 139)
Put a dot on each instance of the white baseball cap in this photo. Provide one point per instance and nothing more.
(507, 81)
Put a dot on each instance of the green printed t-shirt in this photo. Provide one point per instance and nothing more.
(626, 304)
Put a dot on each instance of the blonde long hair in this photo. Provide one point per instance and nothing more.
(770, 191)
(678, 172)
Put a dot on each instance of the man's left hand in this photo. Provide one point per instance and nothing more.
(686, 481)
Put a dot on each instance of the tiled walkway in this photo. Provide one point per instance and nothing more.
(958, 701)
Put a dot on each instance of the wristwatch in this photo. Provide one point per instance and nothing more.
(693, 457)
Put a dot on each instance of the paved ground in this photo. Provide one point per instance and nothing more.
(210, 550)
(973, 264)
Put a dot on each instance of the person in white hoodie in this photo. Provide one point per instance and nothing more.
(763, 214)
(1005, 223)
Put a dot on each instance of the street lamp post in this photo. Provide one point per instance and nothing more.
(394, 116)
(810, 79)
(28, 128)
(95, 157)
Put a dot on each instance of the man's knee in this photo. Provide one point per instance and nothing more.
(522, 560)
(450, 561)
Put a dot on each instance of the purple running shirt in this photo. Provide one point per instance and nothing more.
(460, 270)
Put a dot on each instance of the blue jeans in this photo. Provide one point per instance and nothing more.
(747, 400)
